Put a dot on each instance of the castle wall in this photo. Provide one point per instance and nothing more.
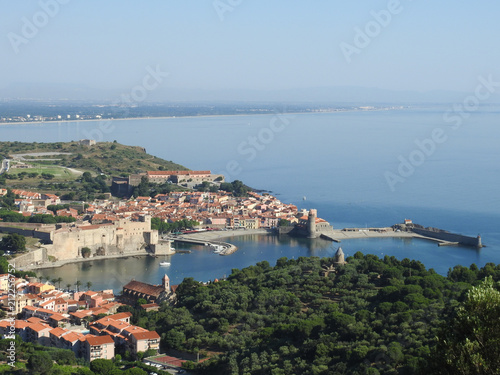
(110, 239)
(33, 257)
(35, 232)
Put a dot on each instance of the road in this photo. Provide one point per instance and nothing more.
(5, 166)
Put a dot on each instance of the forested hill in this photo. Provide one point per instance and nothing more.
(371, 316)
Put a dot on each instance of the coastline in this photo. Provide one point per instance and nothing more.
(60, 263)
(216, 237)
(197, 116)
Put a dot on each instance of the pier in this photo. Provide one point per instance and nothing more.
(228, 248)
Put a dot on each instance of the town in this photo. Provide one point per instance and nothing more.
(119, 227)
(88, 322)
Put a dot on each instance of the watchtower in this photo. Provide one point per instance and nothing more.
(311, 223)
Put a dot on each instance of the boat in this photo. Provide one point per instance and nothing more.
(164, 264)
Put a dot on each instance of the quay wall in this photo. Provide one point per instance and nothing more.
(450, 237)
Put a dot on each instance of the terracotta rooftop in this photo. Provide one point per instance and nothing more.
(17, 324)
(149, 335)
(99, 340)
(37, 327)
(35, 320)
(58, 332)
(72, 336)
(168, 173)
(148, 289)
(120, 316)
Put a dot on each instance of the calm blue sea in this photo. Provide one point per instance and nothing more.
(371, 168)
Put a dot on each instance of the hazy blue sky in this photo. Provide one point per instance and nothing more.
(257, 44)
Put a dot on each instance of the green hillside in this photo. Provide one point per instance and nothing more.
(110, 158)
(59, 167)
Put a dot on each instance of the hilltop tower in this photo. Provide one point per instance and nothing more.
(166, 283)
(311, 223)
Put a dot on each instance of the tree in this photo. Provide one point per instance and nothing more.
(86, 252)
(89, 285)
(58, 281)
(284, 223)
(13, 242)
(102, 366)
(135, 371)
(68, 286)
(40, 363)
(4, 265)
(149, 353)
(470, 343)
(78, 284)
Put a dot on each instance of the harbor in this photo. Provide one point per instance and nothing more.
(212, 239)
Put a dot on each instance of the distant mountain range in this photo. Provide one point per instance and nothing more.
(317, 95)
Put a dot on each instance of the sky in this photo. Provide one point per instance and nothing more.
(250, 44)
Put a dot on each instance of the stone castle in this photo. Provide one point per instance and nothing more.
(122, 237)
(68, 241)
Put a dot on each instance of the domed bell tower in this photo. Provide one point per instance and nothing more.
(311, 223)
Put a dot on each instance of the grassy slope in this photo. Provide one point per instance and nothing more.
(112, 159)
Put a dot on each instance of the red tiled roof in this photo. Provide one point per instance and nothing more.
(17, 324)
(149, 305)
(57, 316)
(72, 336)
(120, 316)
(149, 335)
(99, 340)
(35, 320)
(148, 289)
(58, 331)
(168, 173)
(37, 327)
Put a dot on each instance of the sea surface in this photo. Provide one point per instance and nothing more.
(358, 168)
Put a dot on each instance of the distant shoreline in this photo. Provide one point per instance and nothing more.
(197, 116)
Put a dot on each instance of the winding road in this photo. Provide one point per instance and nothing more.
(5, 166)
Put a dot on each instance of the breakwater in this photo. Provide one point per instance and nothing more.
(443, 235)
